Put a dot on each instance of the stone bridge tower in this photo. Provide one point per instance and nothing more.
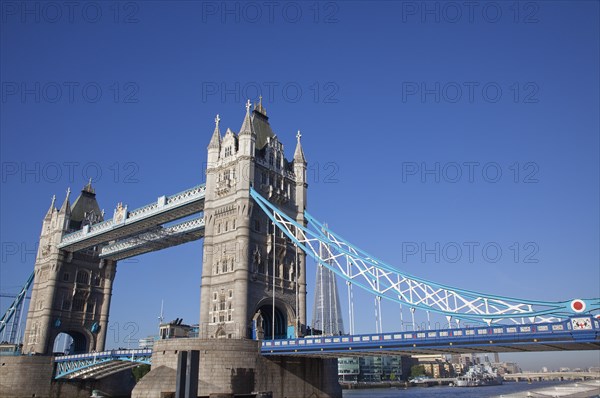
(71, 291)
(243, 257)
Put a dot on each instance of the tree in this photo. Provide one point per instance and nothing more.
(140, 371)
(417, 370)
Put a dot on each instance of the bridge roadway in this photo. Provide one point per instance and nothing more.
(142, 230)
(556, 336)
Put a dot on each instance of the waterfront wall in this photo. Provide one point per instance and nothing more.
(230, 367)
(32, 377)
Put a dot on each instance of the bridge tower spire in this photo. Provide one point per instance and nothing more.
(242, 260)
(71, 291)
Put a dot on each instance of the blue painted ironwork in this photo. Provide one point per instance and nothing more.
(164, 204)
(572, 334)
(361, 269)
(99, 364)
(16, 305)
(147, 240)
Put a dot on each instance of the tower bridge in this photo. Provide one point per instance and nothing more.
(257, 234)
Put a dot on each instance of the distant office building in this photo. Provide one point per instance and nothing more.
(348, 369)
(147, 342)
(369, 369)
(437, 366)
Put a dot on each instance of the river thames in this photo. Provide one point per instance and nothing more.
(449, 392)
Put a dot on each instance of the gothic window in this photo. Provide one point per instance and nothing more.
(66, 277)
(278, 162)
(83, 277)
(228, 151)
(256, 225)
(226, 225)
(271, 158)
(224, 266)
(90, 307)
(218, 228)
(229, 319)
(78, 304)
(230, 293)
(233, 226)
(215, 296)
(231, 265)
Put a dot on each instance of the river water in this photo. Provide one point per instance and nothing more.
(449, 392)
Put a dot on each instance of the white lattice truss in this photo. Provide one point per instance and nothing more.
(152, 237)
(162, 205)
(360, 269)
(101, 364)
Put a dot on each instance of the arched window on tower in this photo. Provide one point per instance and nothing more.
(83, 277)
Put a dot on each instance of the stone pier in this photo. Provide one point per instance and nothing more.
(32, 376)
(236, 367)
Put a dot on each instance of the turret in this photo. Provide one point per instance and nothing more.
(64, 214)
(214, 147)
(247, 136)
(300, 172)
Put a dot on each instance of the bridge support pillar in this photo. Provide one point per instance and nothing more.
(33, 376)
(236, 366)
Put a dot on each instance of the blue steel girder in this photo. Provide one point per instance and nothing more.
(575, 334)
(361, 269)
(17, 302)
(127, 223)
(157, 239)
(99, 364)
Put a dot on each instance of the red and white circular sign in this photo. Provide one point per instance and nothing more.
(578, 305)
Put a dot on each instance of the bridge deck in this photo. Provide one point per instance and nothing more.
(145, 218)
(558, 336)
(157, 239)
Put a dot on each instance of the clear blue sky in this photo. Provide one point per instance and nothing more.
(126, 93)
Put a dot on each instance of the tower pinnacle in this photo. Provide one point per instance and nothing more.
(51, 209)
(66, 206)
(247, 123)
(215, 141)
(299, 153)
(88, 187)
